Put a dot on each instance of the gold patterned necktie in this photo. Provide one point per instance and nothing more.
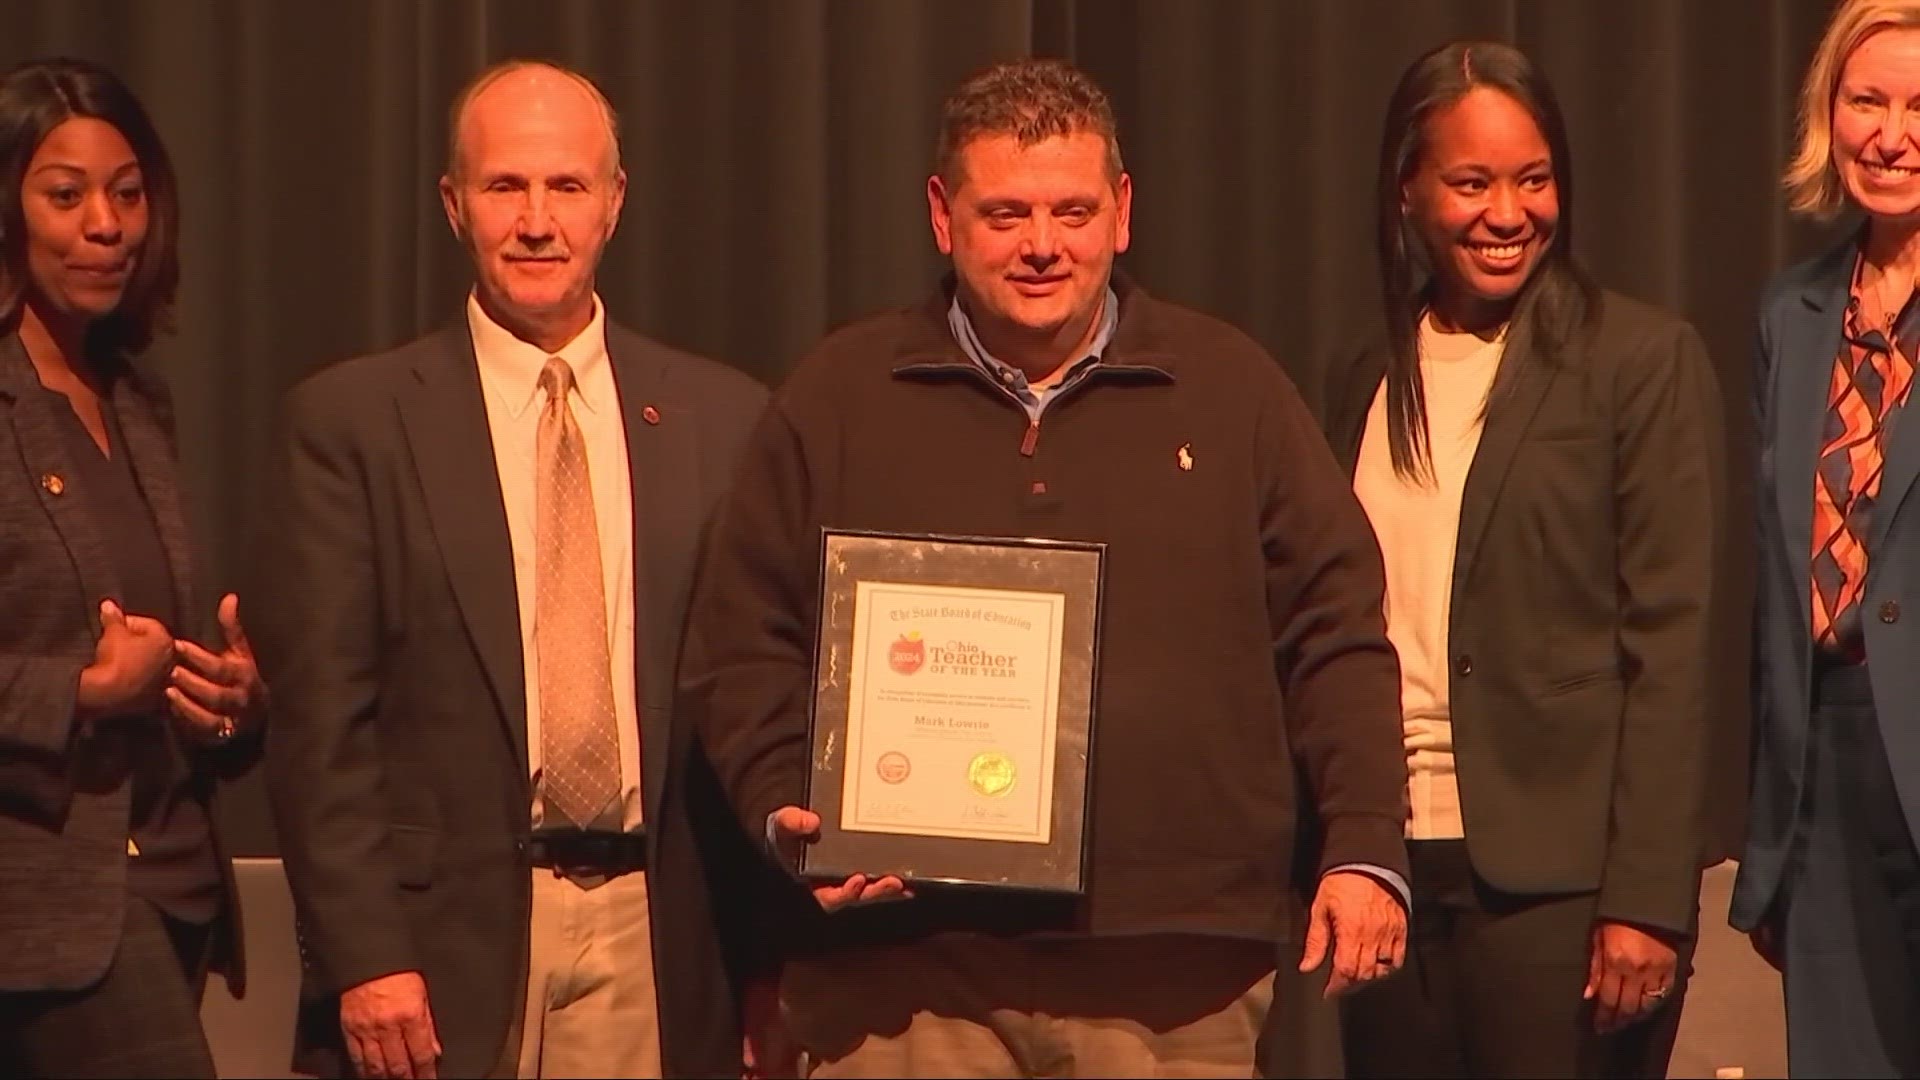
(579, 740)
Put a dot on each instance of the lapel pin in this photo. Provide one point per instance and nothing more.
(650, 414)
(1185, 457)
(53, 483)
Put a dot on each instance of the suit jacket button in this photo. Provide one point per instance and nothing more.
(1890, 612)
(1463, 664)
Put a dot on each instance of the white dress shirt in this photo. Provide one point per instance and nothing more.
(510, 382)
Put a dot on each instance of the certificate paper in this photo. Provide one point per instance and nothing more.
(953, 711)
(950, 734)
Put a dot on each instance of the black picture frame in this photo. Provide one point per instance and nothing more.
(1074, 569)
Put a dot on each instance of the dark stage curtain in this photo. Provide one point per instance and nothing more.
(777, 151)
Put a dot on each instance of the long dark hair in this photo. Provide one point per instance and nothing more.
(39, 96)
(1557, 298)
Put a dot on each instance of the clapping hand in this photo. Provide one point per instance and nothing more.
(215, 696)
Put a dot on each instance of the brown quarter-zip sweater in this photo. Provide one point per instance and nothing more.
(1247, 687)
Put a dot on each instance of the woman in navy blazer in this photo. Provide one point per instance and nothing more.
(116, 729)
(1829, 884)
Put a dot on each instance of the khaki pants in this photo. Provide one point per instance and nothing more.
(590, 1007)
(976, 1005)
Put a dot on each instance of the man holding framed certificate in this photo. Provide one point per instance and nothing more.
(1039, 626)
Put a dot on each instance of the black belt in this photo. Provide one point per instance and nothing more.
(577, 850)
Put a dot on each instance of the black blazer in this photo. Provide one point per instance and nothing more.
(398, 764)
(65, 803)
(1583, 585)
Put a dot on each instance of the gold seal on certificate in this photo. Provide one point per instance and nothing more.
(953, 709)
(991, 773)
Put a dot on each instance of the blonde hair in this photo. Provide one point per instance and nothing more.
(501, 70)
(1812, 181)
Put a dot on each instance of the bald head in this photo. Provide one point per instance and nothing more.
(533, 191)
(530, 97)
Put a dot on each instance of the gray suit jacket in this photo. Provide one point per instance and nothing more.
(1584, 579)
(64, 802)
(398, 756)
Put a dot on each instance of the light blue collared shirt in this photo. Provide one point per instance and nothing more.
(1012, 378)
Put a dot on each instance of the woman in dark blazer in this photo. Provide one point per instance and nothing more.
(116, 728)
(1540, 459)
(1830, 880)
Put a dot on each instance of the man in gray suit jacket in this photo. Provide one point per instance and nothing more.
(481, 550)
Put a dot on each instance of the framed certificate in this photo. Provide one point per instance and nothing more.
(953, 709)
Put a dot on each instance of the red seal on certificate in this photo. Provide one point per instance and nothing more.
(893, 767)
(907, 653)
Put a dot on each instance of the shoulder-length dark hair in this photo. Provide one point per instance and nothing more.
(39, 96)
(1557, 298)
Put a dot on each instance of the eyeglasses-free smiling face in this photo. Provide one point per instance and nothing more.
(535, 196)
(1483, 198)
(1033, 231)
(1876, 124)
(86, 215)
